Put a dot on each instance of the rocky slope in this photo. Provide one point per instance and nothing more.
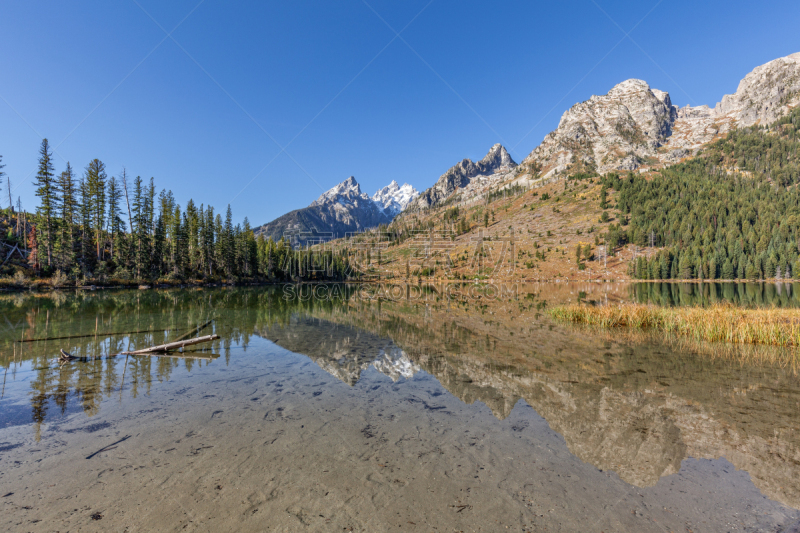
(462, 174)
(637, 126)
(338, 211)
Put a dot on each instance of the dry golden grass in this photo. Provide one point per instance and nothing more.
(721, 323)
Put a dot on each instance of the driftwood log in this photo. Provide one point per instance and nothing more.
(161, 348)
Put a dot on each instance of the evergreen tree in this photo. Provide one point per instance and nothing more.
(95, 176)
(177, 241)
(48, 198)
(219, 242)
(116, 226)
(192, 236)
(87, 256)
(159, 257)
(228, 252)
(65, 255)
(208, 241)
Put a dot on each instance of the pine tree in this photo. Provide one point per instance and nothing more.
(249, 249)
(208, 241)
(85, 219)
(192, 236)
(95, 177)
(47, 193)
(116, 226)
(176, 244)
(219, 242)
(228, 252)
(65, 256)
(140, 229)
(160, 251)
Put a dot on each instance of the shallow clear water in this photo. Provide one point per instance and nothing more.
(448, 409)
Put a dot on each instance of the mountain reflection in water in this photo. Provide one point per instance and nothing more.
(635, 407)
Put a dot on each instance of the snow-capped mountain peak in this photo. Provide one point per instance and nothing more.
(394, 198)
(346, 192)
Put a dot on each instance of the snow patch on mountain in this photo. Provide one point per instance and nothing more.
(394, 198)
(346, 194)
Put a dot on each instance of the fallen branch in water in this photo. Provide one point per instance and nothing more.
(184, 356)
(156, 350)
(63, 359)
(197, 330)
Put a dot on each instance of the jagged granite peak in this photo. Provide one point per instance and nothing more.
(497, 158)
(338, 211)
(608, 132)
(460, 175)
(764, 95)
(636, 126)
(394, 198)
(347, 191)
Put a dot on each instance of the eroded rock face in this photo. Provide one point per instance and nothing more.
(461, 174)
(617, 131)
(635, 126)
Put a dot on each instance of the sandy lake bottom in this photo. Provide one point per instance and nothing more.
(315, 424)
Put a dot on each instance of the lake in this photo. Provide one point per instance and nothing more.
(391, 408)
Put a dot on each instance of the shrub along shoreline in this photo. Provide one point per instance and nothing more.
(718, 323)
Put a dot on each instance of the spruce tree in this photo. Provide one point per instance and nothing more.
(176, 245)
(95, 177)
(228, 252)
(192, 235)
(65, 256)
(87, 256)
(208, 241)
(116, 226)
(47, 193)
(159, 256)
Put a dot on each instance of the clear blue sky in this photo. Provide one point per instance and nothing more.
(207, 110)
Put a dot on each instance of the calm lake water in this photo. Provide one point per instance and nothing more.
(332, 408)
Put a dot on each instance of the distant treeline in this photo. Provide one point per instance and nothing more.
(732, 212)
(79, 230)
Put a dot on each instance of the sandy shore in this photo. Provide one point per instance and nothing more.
(273, 443)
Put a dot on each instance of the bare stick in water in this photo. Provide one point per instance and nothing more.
(198, 330)
(154, 350)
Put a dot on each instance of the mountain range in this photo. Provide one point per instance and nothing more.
(631, 128)
(338, 211)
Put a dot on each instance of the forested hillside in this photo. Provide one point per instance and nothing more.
(732, 212)
(79, 232)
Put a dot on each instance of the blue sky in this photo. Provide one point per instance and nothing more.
(266, 104)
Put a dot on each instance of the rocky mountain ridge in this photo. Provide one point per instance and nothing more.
(338, 211)
(496, 161)
(635, 126)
